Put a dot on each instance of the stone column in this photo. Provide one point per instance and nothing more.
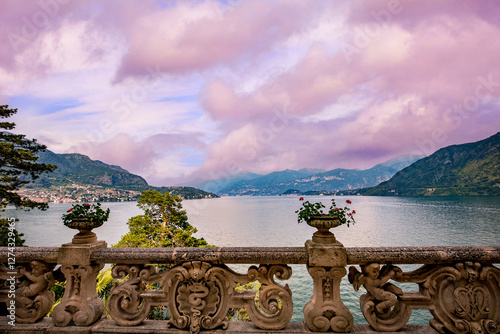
(326, 265)
(80, 302)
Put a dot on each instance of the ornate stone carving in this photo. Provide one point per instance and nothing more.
(199, 295)
(80, 302)
(128, 303)
(326, 265)
(32, 296)
(382, 306)
(463, 298)
(275, 301)
(466, 298)
(326, 310)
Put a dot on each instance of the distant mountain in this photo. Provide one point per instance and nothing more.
(467, 169)
(80, 170)
(309, 180)
(217, 185)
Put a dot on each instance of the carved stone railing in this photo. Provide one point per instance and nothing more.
(459, 285)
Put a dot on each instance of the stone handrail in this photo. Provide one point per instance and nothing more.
(268, 255)
(459, 285)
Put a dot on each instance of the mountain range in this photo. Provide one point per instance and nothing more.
(467, 169)
(306, 180)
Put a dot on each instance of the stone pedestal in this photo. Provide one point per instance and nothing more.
(326, 311)
(80, 302)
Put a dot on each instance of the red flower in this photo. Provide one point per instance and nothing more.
(87, 204)
(337, 209)
(353, 211)
(301, 199)
(348, 202)
(70, 210)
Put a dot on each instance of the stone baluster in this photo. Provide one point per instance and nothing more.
(80, 302)
(326, 265)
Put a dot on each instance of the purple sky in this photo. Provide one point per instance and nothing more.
(183, 90)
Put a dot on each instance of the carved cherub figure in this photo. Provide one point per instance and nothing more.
(39, 279)
(376, 284)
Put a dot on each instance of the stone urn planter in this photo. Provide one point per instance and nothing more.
(85, 217)
(323, 223)
(85, 227)
(314, 215)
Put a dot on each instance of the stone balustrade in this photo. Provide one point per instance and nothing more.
(460, 286)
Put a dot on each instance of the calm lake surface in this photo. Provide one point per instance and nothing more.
(271, 221)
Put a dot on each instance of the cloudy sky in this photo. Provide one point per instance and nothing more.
(182, 90)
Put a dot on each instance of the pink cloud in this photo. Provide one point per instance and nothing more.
(420, 64)
(392, 77)
(139, 157)
(26, 22)
(196, 36)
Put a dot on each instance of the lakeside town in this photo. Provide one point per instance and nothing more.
(79, 193)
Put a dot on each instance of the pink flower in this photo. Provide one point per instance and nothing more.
(348, 202)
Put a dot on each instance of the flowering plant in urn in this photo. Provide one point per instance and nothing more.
(309, 211)
(314, 215)
(85, 217)
(93, 213)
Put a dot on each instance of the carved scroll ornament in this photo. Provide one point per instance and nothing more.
(463, 297)
(466, 298)
(80, 302)
(326, 310)
(199, 295)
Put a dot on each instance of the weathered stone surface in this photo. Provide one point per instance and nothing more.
(423, 255)
(408, 329)
(326, 255)
(80, 303)
(326, 311)
(199, 295)
(268, 255)
(28, 254)
(36, 328)
(33, 298)
(78, 253)
(107, 326)
(451, 276)
(218, 255)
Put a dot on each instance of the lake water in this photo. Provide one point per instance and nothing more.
(271, 221)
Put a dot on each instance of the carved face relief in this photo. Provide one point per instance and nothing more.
(372, 270)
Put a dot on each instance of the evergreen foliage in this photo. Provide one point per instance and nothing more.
(18, 163)
(163, 224)
(18, 167)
